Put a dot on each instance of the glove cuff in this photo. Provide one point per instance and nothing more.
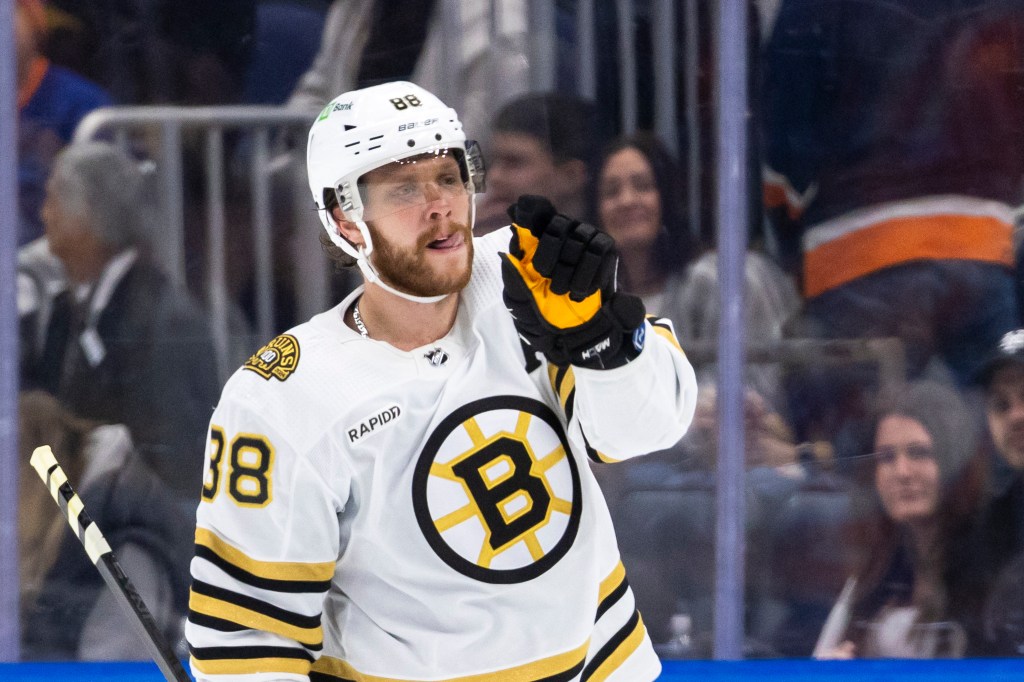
(627, 352)
(623, 316)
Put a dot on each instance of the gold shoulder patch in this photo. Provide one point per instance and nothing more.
(277, 359)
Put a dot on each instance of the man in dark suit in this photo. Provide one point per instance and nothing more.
(124, 345)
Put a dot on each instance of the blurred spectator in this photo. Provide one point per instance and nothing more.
(541, 143)
(67, 611)
(40, 280)
(123, 344)
(208, 59)
(768, 438)
(895, 149)
(51, 102)
(157, 51)
(1002, 378)
(915, 592)
(638, 202)
(1001, 536)
(470, 54)
(771, 302)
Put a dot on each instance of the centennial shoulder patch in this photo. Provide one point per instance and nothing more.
(277, 359)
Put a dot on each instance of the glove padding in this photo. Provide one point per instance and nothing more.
(560, 287)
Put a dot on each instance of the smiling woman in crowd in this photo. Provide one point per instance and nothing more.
(915, 593)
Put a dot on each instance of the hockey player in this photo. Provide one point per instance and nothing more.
(399, 488)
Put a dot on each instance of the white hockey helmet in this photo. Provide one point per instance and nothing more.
(365, 129)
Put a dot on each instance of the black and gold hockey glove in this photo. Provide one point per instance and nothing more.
(560, 286)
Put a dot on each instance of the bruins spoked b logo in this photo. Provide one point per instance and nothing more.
(496, 490)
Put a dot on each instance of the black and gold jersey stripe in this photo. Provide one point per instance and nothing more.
(564, 382)
(221, 625)
(620, 647)
(611, 590)
(664, 328)
(287, 577)
(597, 455)
(252, 613)
(559, 668)
(247, 660)
(214, 623)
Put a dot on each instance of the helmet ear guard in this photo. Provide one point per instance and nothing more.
(330, 202)
(475, 168)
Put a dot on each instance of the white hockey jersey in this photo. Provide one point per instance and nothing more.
(372, 514)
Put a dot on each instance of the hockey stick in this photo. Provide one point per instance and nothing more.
(45, 464)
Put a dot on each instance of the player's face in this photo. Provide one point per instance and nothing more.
(628, 201)
(1004, 407)
(906, 472)
(418, 215)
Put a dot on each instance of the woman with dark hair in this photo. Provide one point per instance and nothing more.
(915, 592)
(638, 204)
(638, 201)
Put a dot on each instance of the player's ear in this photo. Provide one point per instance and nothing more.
(346, 228)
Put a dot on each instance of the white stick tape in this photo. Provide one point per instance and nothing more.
(95, 544)
(57, 479)
(43, 461)
(75, 507)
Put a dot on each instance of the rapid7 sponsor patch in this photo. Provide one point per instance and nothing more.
(373, 423)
